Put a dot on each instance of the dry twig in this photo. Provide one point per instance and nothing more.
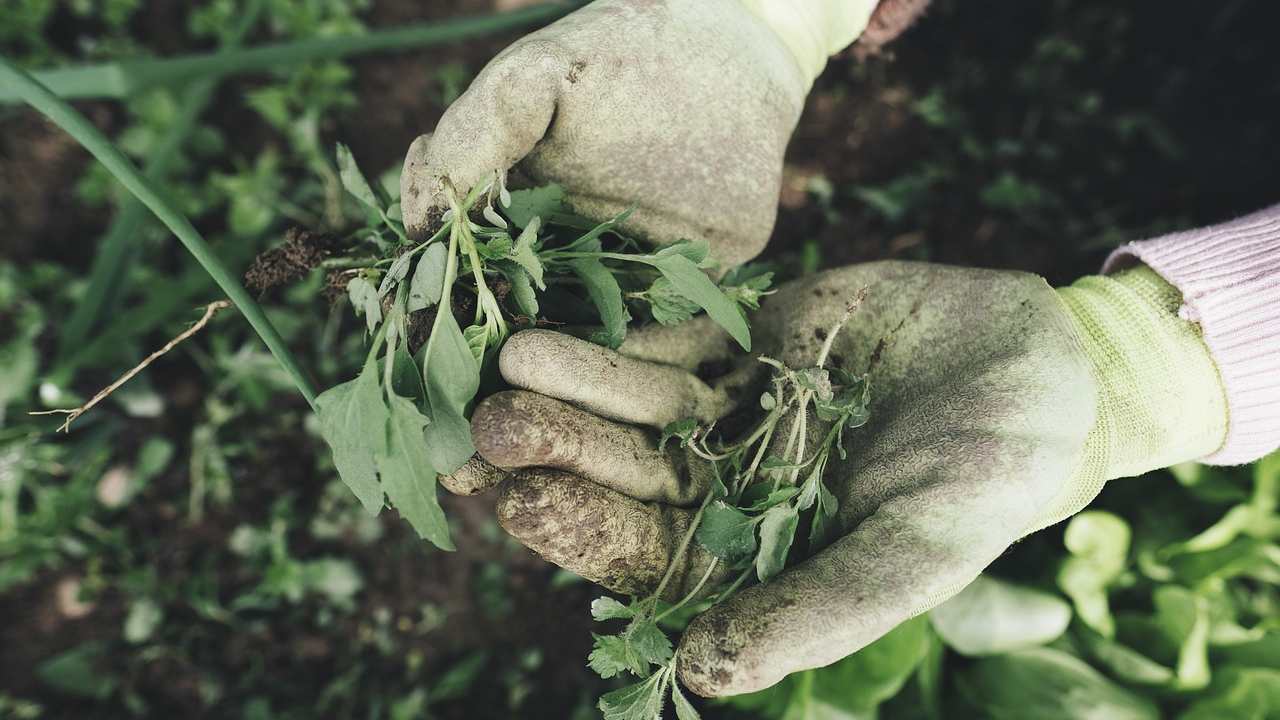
(209, 311)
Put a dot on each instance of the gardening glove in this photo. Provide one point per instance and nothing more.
(681, 108)
(999, 407)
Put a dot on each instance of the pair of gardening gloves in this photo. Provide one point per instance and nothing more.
(999, 404)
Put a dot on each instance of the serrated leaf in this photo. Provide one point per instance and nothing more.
(428, 278)
(606, 608)
(727, 532)
(353, 420)
(684, 708)
(354, 181)
(606, 296)
(408, 476)
(693, 284)
(543, 202)
(648, 641)
(642, 701)
(611, 656)
(777, 530)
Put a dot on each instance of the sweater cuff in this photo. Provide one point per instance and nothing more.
(1229, 277)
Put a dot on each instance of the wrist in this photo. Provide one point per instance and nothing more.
(1161, 397)
(814, 30)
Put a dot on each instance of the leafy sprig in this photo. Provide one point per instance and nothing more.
(527, 243)
(747, 520)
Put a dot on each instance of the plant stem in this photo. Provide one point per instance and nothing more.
(678, 555)
(75, 124)
(121, 79)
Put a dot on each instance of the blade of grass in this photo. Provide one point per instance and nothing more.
(75, 124)
(118, 248)
(120, 79)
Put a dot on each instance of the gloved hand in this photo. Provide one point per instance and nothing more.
(682, 106)
(1000, 406)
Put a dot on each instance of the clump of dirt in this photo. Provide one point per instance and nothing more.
(302, 252)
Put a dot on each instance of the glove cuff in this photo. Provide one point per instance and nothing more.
(814, 29)
(1229, 275)
(1160, 397)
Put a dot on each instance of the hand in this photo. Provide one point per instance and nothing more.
(683, 107)
(996, 411)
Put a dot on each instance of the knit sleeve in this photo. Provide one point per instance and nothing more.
(1229, 276)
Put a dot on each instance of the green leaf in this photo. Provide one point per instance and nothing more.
(143, 619)
(695, 250)
(634, 650)
(1184, 617)
(354, 181)
(452, 379)
(611, 656)
(777, 530)
(477, 337)
(606, 608)
(1099, 545)
(525, 256)
(683, 429)
(991, 616)
(684, 708)
(642, 701)
(544, 202)
(83, 671)
(353, 420)
(1239, 694)
(408, 476)
(428, 278)
(668, 306)
(692, 283)
(1056, 685)
(522, 291)
(365, 301)
(727, 533)
(397, 272)
(406, 379)
(606, 296)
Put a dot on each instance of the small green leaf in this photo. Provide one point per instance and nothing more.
(428, 277)
(525, 255)
(406, 379)
(695, 250)
(397, 272)
(727, 532)
(365, 301)
(353, 420)
(477, 337)
(683, 429)
(544, 202)
(610, 657)
(1099, 545)
(692, 283)
(768, 401)
(777, 530)
(991, 616)
(642, 701)
(354, 181)
(408, 476)
(606, 608)
(606, 296)
(668, 306)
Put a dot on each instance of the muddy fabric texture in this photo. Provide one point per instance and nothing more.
(681, 108)
(987, 397)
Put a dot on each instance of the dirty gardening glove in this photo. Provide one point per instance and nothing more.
(999, 407)
(683, 107)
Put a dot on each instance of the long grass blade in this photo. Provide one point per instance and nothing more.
(75, 124)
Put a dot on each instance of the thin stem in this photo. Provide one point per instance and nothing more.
(678, 555)
(121, 79)
(692, 593)
(65, 117)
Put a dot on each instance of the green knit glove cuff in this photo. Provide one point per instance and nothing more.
(1161, 399)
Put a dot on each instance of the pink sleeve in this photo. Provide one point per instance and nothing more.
(1229, 275)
